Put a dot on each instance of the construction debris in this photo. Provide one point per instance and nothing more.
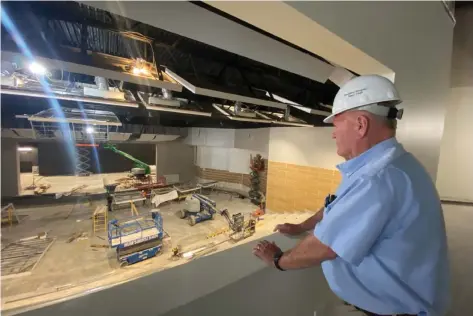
(42, 235)
(198, 252)
(77, 188)
(227, 229)
(33, 185)
(76, 236)
(19, 258)
(42, 188)
(99, 246)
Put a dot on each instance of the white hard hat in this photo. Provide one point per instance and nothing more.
(372, 93)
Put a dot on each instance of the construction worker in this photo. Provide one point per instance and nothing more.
(381, 238)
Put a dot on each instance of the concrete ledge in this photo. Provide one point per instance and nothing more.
(167, 290)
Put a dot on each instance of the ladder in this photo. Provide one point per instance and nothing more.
(99, 219)
(9, 215)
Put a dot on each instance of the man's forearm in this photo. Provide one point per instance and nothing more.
(309, 252)
(309, 224)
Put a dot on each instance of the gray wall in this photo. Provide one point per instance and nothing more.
(112, 162)
(10, 161)
(414, 38)
(455, 175)
(458, 219)
(176, 157)
(53, 159)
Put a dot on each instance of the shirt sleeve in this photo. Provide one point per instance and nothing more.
(356, 219)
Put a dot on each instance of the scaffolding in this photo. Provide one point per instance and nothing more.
(82, 160)
(76, 125)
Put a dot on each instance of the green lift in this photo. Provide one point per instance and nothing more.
(141, 168)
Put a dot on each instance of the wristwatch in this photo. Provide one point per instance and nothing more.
(276, 258)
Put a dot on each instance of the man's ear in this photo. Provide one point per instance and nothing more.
(362, 125)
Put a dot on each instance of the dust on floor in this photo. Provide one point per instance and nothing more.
(68, 264)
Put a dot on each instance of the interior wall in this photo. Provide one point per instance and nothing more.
(414, 39)
(53, 158)
(305, 146)
(228, 149)
(110, 162)
(10, 161)
(224, 155)
(28, 159)
(455, 174)
(176, 157)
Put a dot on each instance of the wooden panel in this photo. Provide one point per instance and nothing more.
(299, 188)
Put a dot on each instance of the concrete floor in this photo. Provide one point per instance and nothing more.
(76, 266)
(61, 184)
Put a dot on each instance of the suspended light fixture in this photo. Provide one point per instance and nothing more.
(25, 149)
(140, 68)
(37, 69)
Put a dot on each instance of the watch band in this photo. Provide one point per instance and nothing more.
(276, 258)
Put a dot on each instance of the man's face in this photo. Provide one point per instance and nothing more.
(345, 134)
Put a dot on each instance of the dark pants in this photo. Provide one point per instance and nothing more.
(373, 314)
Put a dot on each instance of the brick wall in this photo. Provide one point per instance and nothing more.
(298, 188)
(232, 177)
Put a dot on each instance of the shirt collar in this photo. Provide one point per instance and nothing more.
(350, 166)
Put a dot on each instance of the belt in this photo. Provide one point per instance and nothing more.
(374, 314)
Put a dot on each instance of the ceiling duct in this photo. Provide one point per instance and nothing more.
(243, 108)
(165, 99)
(180, 106)
(240, 112)
(223, 95)
(303, 108)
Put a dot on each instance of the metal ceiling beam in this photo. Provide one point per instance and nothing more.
(192, 21)
(93, 71)
(25, 93)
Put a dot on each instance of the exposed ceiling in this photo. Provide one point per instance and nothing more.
(77, 33)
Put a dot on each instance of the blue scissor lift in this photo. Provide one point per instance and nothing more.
(136, 238)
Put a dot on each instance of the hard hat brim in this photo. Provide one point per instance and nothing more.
(329, 119)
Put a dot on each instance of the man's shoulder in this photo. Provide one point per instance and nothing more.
(402, 170)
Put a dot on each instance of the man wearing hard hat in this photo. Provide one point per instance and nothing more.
(381, 238)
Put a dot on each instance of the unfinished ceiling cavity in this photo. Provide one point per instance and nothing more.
(66, 55)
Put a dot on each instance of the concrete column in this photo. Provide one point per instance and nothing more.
(156, 161)
(10, 161)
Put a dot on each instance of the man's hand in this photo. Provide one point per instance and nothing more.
(289, 229)
(266, 251)
(297, 229)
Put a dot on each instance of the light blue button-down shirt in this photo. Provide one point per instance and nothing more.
(387, 228)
